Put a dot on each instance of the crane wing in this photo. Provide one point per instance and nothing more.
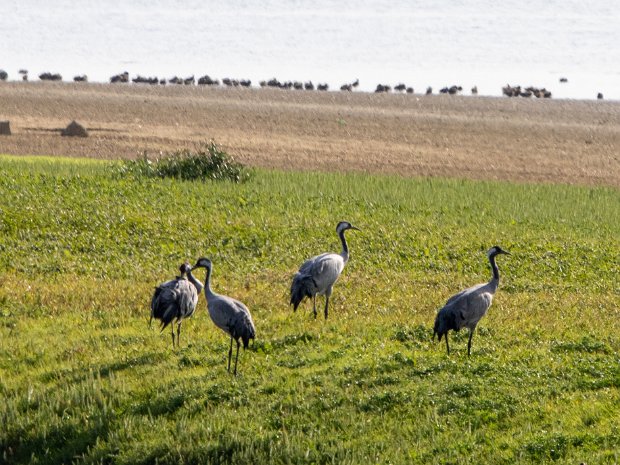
(163, 290)
(324, 269)
(231, 316)
(313, 265)
(187, 297)
(467, 291)
(467, 307)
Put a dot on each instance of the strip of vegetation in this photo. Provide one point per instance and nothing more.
(83, 380)
(208, 161)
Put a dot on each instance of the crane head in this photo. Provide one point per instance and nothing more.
(344, 225)
(203, 263)
(185, 268)
(496, 250)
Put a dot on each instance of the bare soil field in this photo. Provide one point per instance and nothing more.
(412, 135)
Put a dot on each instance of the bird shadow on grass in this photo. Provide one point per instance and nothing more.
(61, 444)
(267, 346)
(75, 375)
(161, 405)
(193, 394)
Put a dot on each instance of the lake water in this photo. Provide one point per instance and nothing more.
(479, 42)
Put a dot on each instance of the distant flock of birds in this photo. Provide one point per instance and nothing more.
(516, 91)
(508, 90)
(176, 300)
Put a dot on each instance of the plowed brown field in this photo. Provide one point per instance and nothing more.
(440, 135)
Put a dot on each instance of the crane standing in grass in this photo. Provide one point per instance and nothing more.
(317, 275)
(466, 308)
(228, 314)
(176, 299)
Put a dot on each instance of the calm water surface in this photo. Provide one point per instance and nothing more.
(440, 43)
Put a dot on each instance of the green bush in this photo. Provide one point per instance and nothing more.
(207, 162)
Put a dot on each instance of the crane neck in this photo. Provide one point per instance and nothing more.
(494, 268)
(345, 247)
(197, 284)
(207, 286)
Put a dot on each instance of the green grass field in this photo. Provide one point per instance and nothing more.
(83, 379)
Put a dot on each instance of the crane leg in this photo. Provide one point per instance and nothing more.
(236, 357)
(471, 334)
(314, 305)
(447, 345)
(172, 332)
(179, 334)
(326, 305)
(230, 353)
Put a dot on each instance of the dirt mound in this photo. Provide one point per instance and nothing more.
(74, 129)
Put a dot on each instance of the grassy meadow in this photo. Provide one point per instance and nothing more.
(84, 380)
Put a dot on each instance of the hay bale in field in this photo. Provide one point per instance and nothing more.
(5, 128)
(74, 129)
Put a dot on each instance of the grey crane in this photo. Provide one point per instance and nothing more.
(317, 275)
(176, 299)
(228, 314)
(465, 309)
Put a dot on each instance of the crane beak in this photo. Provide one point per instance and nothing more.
(353, 227)
(506, 253)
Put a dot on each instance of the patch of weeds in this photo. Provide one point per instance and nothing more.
(223, 394)
(586, 344)
(552, 447)
(598, 374)
(461, 390)
(483, 369)
(383, 401)
(269, 389)
(416, 335)
(129, 363)
(298, 362)
(473, 409)
(207, 162)
(402, 359)
(327, 402)
(291, 340)
(188, 360)
(161, 404)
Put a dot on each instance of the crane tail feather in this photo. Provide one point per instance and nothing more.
(299, 290)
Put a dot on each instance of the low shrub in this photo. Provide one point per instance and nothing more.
(209, 161)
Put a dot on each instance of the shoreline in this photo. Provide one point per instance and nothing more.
(454, 136)
(556, 89)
